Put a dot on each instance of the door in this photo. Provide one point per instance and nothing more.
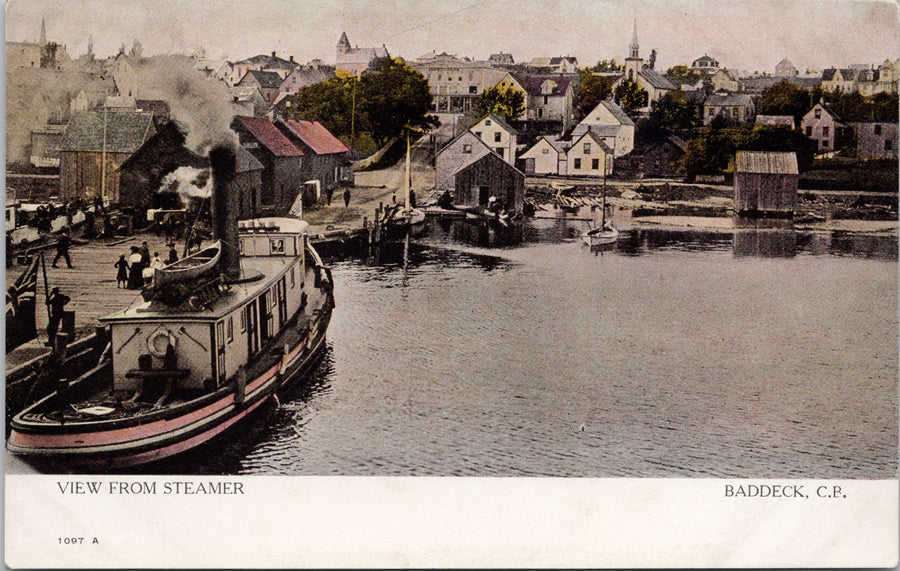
(220, 352)
(252, 328)
(484, 193)
(263, 318)
(282, 302)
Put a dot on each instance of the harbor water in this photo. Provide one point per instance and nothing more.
(673, 354)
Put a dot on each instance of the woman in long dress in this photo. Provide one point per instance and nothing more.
(136, 273)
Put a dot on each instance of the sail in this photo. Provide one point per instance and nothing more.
(21, 322)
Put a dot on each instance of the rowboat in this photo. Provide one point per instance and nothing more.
(190, 267)
(601, 235)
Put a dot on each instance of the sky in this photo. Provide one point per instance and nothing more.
(745, 35)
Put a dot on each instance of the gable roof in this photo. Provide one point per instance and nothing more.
(492, 156)
(499, 120)
(554, 144)
(617, 112)
(559, 60)
(594, 137)
(655, 79)
(765, 162)
(265, 79)
(316, 136)
(158, 107)
(532, 83)
(125, 132)
(269, 136)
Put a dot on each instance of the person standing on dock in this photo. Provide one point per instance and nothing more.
(346, 198)
(135, 275)
(56, 303)
(63, 243)
(122, 273)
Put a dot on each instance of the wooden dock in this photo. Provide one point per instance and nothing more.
(91, 283)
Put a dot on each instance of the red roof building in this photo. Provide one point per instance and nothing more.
(268, 135)
(315, 136)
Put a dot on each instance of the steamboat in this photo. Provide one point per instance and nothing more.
(210, 343)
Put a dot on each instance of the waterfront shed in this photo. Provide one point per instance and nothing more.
(765, 183)
(474, 183)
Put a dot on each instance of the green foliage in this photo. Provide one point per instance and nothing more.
(592, 89)
(375, 106)
(506, 101)
(675, 112)
(785, 98)
(713, 149)
(683, 74)
(608, 66)
(630, 96)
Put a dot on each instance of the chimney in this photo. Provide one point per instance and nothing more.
(224, 210)
(292, 59)
(273, 54)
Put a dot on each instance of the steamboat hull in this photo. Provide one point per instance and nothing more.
(131, 441)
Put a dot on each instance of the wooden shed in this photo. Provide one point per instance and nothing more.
(765, 183)
(475, 183)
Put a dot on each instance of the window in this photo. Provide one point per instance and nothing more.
(888, 145)
(587, 148)
(467, 149)
(500, 151)
(825, 131)
(818, 113)
(242, 323)
(546, 99)
(473, 89)
(497, 136)
(595, 164)
(292, 277)
(809, 131)
(487, 122)
(276, 245)
(478, 134)
(877, 129)
(577, 164)
(545, 151)
(229, 329)
(540, 112)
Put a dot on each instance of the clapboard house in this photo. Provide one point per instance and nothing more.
(326, 161)
(765, 183)
(472, 172)
(94, 147)
(283, 175)
(142, 173)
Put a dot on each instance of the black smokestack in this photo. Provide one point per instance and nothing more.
(224, 211)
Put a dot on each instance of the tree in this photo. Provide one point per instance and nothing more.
(608, 66)
(393, 98)
(506, 101)
(592, 89)
(683, 74)
(675, 112)
(380, 103)
(651, 62)
(630, 96)
(785, 98)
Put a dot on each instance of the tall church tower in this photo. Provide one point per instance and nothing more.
(343, 44)
(43, 40)
(633, 63)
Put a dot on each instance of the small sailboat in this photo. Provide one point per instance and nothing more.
(408, 216)
(604, 234)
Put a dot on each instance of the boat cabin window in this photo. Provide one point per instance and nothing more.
(276, 245)
(243, 319)
(230, 329)
(292, 277)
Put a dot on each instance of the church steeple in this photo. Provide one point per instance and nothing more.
(43, 40)
(633, 48)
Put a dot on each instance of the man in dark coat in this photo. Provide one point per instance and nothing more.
(63, 243)
(56, 303)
